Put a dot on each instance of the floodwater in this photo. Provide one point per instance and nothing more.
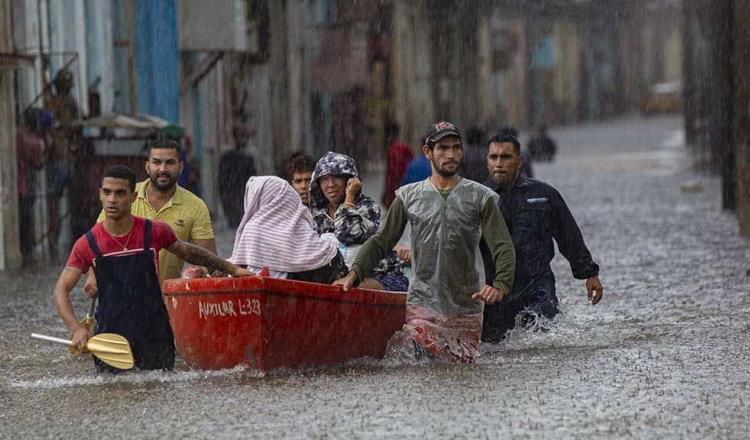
(666, 354)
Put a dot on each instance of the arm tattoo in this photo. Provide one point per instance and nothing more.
(201, 257)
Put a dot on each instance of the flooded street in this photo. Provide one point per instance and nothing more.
(664, 355)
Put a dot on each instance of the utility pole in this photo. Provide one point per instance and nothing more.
(723, 83)
(279, 78)
(10, 252)
(741, 112)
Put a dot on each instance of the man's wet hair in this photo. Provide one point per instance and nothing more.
(506, 138)
(509, 130)
(165, 143)
(298, 162)
(121, 172)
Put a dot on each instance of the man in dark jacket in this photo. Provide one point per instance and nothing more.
(535, 214)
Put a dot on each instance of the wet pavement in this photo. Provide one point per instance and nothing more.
(665, 355)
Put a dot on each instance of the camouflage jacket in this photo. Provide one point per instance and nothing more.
(350, 225)
(388, 265)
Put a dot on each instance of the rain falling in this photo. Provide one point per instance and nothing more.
(374, 219)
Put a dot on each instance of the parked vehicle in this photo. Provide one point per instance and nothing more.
(662, 98)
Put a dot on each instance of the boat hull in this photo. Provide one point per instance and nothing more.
(269, 323)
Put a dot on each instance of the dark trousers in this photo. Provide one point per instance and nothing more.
(536, 299)
(26, 226)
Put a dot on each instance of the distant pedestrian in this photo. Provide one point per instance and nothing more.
(541, 146)
(235, 167)
(399, 157)
(29, 159)
(65, 141)
(535, 214)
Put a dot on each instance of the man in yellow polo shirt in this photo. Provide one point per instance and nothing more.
(160, 198)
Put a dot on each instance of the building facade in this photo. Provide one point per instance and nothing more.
(281, 76)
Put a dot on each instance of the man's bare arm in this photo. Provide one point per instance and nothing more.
(201, 257)
(61, 297)
(208, 244)
(90, 287)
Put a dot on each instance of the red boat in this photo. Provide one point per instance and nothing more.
(269, 323)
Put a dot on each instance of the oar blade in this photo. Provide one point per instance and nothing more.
(112, 349)
(122, 362)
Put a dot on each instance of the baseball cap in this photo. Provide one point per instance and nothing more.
(440, 130)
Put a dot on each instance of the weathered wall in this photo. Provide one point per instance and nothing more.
(501, 95)
(567, 72)
(411, 65)
(157, 59)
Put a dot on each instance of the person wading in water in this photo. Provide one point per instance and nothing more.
(448, 216)
(123, 251)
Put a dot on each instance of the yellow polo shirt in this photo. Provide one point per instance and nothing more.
(186, 213)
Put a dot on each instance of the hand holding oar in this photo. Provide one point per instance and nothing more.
(112, 349)
(86, 323)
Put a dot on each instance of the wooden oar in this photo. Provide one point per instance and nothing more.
(111, 348)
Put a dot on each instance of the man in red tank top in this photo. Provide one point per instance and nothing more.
(123, 251)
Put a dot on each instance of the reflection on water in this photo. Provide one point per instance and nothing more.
(664, 355)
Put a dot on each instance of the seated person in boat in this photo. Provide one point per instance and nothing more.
(344, 214)
(298, 170)
(277, 231)
(123, 250)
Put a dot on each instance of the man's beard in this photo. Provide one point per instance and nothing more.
(163, 186)
(504, 180)
(443, 172)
